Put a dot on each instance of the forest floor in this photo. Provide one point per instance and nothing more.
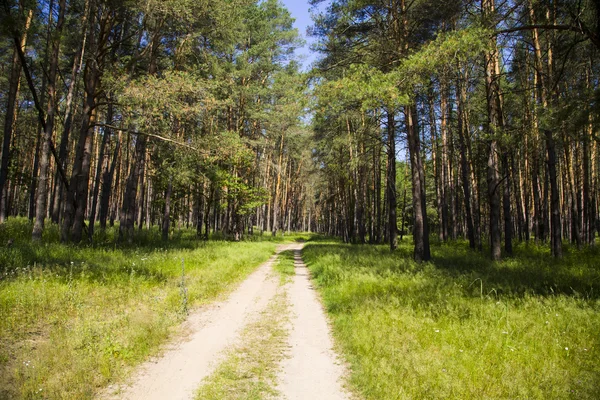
(269, 339)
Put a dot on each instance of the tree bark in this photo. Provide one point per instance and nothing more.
(127, 213)
(167, 212)
(462, 130)
(42, 185)
(391, 181)
(10, 116)
(420, 229)
(493, 124)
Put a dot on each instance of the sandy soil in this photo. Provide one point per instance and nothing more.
(313, 370)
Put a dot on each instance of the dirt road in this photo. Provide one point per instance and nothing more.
(310, 370)
(313, 370)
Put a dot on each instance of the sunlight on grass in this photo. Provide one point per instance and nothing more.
(461, 326)
(73, 319)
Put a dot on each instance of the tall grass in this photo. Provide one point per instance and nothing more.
(75, 318)
(462, 326)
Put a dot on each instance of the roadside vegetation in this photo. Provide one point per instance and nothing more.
(75, 318)
(462, 326)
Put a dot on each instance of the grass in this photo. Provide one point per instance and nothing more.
(285, 265)
(249, 370)
(462, 326)
(76, 318)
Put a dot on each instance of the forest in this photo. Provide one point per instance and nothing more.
(155, 152)
(471, 120)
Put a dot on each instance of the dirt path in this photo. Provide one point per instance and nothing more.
(313, 370)
(310, 370)
(183, 366)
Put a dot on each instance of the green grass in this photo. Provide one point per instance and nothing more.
(462, 326)
(76, 318)
(249, 370)
(284, 265)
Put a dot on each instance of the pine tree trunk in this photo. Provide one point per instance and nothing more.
(420, 229)
(167, 212)
(10, 117)
(42, 186)
(462, 133)
(493, 123)
(506, 205)
(391, 181)
(107, 182)
(127, 213)
(101, 162)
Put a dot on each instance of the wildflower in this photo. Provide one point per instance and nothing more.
(437, 331)
(566, 348)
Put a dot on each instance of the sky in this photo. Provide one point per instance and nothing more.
(300, 11)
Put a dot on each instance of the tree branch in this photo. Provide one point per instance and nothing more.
(580, 28)
(151, 135)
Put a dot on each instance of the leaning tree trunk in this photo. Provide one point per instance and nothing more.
(10, 116)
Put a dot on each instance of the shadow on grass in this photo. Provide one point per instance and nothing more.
(531, 271)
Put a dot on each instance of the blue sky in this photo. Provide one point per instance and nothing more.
(300, 11)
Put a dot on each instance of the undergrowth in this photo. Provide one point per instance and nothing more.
(462, 326)
(76, 318)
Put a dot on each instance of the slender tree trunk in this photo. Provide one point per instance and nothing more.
(42, 186)
(99, 166)
(420, 229)
(493, 123)
(391, 181)
(59, 190)
(462, 129)
(107, 183)
(506, 205)
(127, 213)
(167, 212)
